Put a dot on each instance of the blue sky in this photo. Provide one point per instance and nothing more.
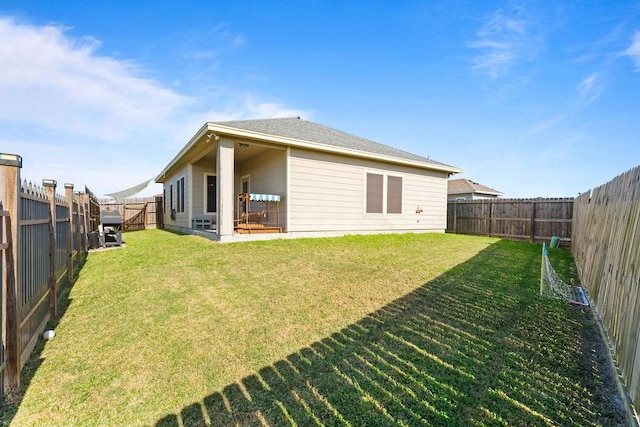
(532, 98)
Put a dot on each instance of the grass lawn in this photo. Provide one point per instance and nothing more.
(426, 329)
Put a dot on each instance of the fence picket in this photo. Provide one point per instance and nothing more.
(606, 249)
(137, 213)
(534, 220)
(38, 243)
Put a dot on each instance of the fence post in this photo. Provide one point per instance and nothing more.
(79, 222)
(490, 218)
(144, 216)
(455, 217)
(159, 212)
(487, 222)
(533, 222)
(68, 191)
(50, 187)
(124, 215)
(10, 188)
(85, 203)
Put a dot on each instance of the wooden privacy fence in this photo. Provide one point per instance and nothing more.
(606, 249)
(137, 213)
(44, 240)
(6, 271)
(534, 220)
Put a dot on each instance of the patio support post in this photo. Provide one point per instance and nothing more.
(225, 172)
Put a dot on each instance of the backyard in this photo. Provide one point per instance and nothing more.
(415, 329)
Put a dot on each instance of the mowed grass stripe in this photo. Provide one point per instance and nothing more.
(178, 330)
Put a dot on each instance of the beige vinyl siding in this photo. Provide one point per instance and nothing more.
(182, 218)
(199, 170)
(429, 192)
(267, 172)
(328, 193)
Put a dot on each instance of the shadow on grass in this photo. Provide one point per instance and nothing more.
(475, 346)
(12, 398)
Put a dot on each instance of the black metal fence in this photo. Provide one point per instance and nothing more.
(43, 237)
(33, 264)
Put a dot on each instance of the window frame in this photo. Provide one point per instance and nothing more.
(386, 200)
(394, 199)
(205, 209)
(180, 194)
(379, 203)
(171, 197)
(247, 179)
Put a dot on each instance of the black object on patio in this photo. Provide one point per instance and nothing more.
(110, 228)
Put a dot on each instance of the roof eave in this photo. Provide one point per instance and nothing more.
(232, 131)
(487, 193)
(193, 141)
(328, 148)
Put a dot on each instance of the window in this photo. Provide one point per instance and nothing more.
(394, 195)
(171, 196)
(384, 196)
(244, 184)
(375, 193)
(180, 194)
(210, 193)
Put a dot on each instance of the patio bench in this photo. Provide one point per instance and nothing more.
(203, 222)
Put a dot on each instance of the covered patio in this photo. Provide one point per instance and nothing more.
(226, 186)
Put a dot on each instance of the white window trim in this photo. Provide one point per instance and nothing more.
(184, 202)
(385, 175)
(386, 178)
(171, 206)
(384, 193)
(248, 177)
(204, 196)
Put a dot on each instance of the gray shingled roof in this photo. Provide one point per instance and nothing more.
(304, 130)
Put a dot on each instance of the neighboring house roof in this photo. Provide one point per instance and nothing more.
(466, 186)
(295, 131)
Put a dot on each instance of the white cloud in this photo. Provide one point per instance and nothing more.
(547, 123)
(590, 88)
(77, 116)
(223, 31)
(254, 108)
(201, 54)
(633, 51)
(503, 40)
(212, 43)
(61, 83)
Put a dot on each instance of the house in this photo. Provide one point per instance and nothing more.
(465, 189)
(298, 178)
